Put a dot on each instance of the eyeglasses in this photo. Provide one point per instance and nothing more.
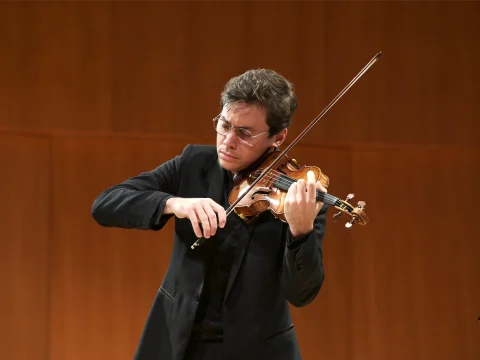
(223, 128)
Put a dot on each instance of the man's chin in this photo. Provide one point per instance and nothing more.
(228, 165)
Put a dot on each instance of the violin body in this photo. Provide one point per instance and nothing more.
(270, 192)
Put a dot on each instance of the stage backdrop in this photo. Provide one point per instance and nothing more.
(92, 93)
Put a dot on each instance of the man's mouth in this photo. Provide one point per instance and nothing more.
(228, 155)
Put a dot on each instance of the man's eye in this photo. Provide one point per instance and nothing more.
(244, 133)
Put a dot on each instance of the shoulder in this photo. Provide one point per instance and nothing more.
(199, 154)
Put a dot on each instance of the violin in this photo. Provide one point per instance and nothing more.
(269, 193)
(265, 184)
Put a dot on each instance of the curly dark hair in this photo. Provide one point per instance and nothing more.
(267, 89)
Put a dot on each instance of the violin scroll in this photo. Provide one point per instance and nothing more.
(356, 214)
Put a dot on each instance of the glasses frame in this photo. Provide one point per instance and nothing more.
(251, 136)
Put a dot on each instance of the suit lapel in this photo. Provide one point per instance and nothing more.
(212, 184)
(216, 180)
(236, 228)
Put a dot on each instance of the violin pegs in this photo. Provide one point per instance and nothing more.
(338, 214)
(350, 223)
(361, 204)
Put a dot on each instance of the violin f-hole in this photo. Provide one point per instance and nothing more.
(261, 192)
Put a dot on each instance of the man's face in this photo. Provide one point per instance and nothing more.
(235, 151)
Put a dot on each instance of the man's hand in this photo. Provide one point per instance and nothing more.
(200, 211)
(301, 206)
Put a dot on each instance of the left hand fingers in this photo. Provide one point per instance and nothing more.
(291, 194)
(320, 186)
(311, 193)
(301, 190)
(312, 189)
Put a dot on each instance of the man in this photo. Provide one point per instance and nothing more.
(227, 299)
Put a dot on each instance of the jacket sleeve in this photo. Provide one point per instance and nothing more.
(138, 202)
(303, 272)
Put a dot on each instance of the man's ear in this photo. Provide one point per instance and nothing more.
(280, 138)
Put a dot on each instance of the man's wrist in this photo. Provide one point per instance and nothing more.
(170, 206)
(297, 233)
(295, 243)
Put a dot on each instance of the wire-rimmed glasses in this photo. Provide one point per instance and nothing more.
(223, 128)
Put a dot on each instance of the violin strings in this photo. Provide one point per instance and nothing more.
(285, 180)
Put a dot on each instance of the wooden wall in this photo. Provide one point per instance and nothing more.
(94, 92)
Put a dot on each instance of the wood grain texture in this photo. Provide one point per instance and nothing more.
(103, 280)
(422, 91)
(24, 247)
(323, 327)
(55, 67)
(159, 67)
(415, 292)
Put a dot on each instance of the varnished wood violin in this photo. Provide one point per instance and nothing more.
(270, 192)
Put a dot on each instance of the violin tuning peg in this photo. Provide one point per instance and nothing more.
(350, 223)
(361, 204)
(337, 216)
(350, 196)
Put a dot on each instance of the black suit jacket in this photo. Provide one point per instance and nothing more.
(266, 273)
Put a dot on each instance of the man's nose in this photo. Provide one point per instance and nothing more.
(231, 139)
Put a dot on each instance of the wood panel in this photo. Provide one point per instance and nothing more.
(55, 67)
(423, 89)
(24, 246)
(405, 285)
(325, 323)
(415, 278)
(160, 66)
(151, 90)
(289, 37)
(169, 73)
(103, 280)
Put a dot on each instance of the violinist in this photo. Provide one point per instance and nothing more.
(229, 298)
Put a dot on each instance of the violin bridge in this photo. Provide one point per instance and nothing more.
(241, 216)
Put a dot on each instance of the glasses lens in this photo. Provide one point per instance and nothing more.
(244, 135)
(221, 126)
